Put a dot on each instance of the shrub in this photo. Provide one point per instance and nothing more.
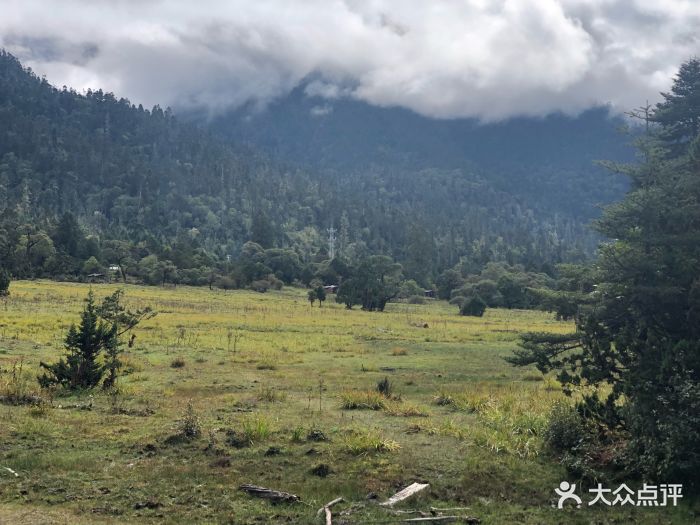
(225, 283)
(190, 426)
(474, 306)
(458, 300)
(398, 351)
(178, 362)
(409, 289)
(384, 387)
(565, 430)
(416, 299)
(260, 286)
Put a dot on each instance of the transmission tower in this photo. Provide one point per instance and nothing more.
(331, 242)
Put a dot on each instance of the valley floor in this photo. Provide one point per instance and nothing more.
(267, 376)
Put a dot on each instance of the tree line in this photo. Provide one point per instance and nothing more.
(89, 181)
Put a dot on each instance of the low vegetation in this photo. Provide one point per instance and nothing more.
(177, 441)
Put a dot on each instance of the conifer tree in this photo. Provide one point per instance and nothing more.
(637, 341)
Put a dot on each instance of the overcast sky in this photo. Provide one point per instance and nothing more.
(490, 59)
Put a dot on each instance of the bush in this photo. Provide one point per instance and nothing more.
(178, 362)
(275, 283)
(475, 306)
(269, 282)
(384, 387)
(416, 299)
(458, 300)
(225, 283)
(190, 426)
(409, 289)
(565, 430)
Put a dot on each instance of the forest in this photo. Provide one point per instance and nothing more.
(90, 181)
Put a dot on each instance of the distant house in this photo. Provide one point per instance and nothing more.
(429, 293)
(113, 268)
(96, 277)
(331, 288)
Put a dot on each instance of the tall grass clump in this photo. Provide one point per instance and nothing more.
(256, 429)
(359, 442)
(362, 400)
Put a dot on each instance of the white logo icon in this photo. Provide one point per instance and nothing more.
(566, 492)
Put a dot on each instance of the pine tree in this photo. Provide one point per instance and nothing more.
(679, 113)
(82, 369)
(638, 341)
(99, 333)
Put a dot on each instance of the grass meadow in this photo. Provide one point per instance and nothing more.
(281, 394)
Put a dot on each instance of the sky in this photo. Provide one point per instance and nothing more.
(486, 59)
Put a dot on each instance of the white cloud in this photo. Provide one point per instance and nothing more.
(489, 59)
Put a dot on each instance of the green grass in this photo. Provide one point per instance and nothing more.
(459, 417)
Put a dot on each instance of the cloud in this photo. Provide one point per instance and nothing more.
(490, 59)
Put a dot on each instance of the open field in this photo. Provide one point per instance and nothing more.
(262, 372)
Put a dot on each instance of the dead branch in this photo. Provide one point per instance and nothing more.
(327, 509)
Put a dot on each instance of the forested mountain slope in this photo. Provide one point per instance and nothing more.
(188, 197)
(547, 162)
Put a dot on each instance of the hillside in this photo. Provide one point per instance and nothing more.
(191, 197)
(549, 163)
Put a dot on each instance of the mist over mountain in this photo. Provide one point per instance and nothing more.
(549, 162)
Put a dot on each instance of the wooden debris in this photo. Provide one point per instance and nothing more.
(406, 493)
(328, 505)
(273, 495)
(433, 519)
(327, 509)
(449, 509)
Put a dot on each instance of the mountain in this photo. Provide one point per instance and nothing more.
(547, 162)
(188, 195)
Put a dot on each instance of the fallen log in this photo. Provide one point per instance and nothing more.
(273, 495)
(406, 493)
